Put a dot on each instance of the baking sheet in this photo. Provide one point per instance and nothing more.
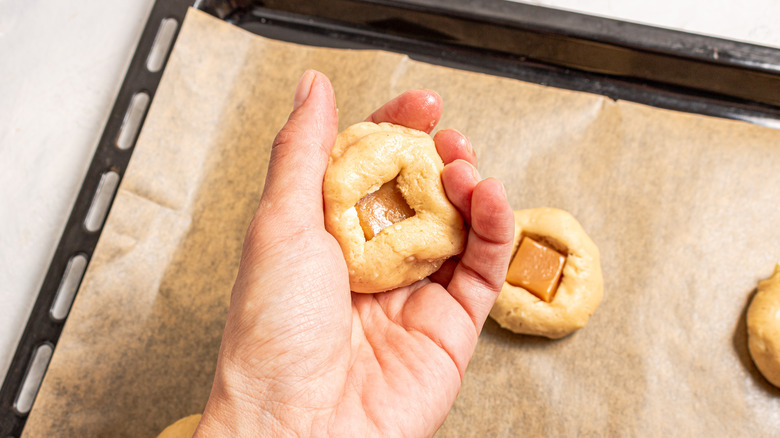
(682, 207)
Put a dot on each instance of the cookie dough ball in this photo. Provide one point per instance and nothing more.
(763, 325)
(554, 281)
(184, 428)
(385, 205)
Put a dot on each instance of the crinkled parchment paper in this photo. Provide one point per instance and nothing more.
(684, 209)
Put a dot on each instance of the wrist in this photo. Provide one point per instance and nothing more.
(235, 408)
(230, 417)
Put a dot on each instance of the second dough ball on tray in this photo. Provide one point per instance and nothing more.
(385, 205)
(554, 282)
(763, 325)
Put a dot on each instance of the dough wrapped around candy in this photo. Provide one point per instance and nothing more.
(386, 206)
(763, 325)
(183, 428)
(554, 282)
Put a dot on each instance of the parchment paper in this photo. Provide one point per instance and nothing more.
(684, 209)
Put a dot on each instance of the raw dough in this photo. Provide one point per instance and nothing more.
(763, 325)
(581, 287)
(366, 156)
(184, 428)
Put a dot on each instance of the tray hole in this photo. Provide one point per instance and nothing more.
(68, 286)
(161, 45)
(101, 201)
(32, 381)
(132, 121)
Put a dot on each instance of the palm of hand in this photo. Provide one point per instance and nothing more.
(392, 367)
(413, 344)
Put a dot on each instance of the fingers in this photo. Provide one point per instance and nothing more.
(300, 152)
(478, 278)
(452, 145)
(459, 179)
(416, 109)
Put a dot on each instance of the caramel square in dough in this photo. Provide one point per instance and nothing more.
(382, 208)
(536, 268)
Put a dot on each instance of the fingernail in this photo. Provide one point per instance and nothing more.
(465, 141)
(503, 189)
(304, 88)
(474, 171)
(500, 184)
(469, 147)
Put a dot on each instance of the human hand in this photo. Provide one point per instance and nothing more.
(301, 354)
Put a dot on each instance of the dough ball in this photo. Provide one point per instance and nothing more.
(389, 245)
(763, 325)
(183, 428)
(579, 291)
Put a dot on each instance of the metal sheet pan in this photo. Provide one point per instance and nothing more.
(659, 67)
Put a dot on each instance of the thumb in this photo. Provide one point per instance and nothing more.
(300, 152)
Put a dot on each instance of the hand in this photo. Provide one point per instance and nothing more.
(302, 355)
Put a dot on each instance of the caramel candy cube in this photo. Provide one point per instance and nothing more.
(536, 268)
(382, 208)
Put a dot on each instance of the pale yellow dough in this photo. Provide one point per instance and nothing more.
(581, 287)
(365, 156)
(763, 324)
(183, 428)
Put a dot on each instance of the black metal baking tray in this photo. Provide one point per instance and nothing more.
(627, 61)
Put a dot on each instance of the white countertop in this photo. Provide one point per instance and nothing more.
(750, 21)
(63, 63)
(62, 66)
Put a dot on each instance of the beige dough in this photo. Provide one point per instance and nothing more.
(763, 324)
(366, 156)
(581, 287)
(184, 428)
